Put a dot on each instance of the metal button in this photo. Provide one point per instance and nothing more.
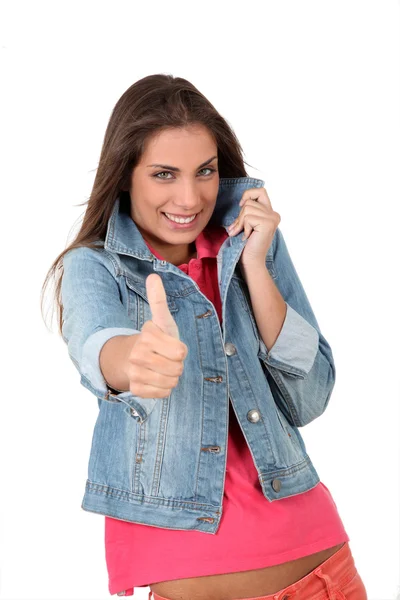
(133, 412)
(253, 416)
(277, 484)
(230, 349)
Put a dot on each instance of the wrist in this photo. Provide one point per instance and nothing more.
(114, 362)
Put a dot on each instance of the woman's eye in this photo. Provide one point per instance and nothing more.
(169, 172)
(162, 173)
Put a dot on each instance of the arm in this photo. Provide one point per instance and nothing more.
(297, 357)
(113, 356)
(93, 314)
(268, 306)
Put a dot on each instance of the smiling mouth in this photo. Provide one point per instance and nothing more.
(179, 218)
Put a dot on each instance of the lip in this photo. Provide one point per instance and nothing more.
(174, 225)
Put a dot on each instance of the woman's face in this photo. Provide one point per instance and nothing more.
(185, 183)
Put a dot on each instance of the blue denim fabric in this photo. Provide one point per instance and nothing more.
(161, 461)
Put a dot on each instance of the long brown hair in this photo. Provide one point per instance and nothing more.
(150, 105)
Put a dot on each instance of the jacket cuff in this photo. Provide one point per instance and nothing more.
(90, 363)
(295, 348)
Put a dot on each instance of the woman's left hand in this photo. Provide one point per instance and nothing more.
(259, 222)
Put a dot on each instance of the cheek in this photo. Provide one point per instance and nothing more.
(214, 193)
(153, 205)
(210, 196)
(211, 202)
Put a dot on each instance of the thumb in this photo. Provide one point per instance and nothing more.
(160, 314)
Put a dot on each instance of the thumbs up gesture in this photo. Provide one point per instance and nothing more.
(156, 358)
(159, 308)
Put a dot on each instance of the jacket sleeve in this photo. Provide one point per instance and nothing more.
(300, 366)
(92, 314)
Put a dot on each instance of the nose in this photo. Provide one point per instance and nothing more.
(188, 200)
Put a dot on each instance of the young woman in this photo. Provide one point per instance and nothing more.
(185, 317)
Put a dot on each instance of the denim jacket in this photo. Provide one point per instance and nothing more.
(161, 461)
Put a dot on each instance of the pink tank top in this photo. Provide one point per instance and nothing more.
(253, 533)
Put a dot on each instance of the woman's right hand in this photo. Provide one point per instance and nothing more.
(155, 361)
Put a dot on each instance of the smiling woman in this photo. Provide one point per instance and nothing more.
(170, 211)
(197, 462)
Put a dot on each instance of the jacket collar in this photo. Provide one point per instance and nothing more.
(123, 235)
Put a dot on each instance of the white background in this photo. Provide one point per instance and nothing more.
(312, 90)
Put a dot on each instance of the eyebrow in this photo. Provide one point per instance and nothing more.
(178, 170)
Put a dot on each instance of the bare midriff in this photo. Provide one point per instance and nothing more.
(243, 584)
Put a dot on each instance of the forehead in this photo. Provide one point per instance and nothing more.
(186, 142)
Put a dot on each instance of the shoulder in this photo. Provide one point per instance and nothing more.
(85, 258)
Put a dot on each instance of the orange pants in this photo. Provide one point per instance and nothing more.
(335, 579)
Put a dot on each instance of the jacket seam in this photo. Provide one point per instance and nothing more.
(275, 374)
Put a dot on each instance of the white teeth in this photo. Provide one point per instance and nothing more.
(180, 219)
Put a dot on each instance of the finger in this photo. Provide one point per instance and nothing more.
(256, 195)
(144, 376)
(160, 314)
(149, 391)
(247, 229)
(238, 223)
(159, 355)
